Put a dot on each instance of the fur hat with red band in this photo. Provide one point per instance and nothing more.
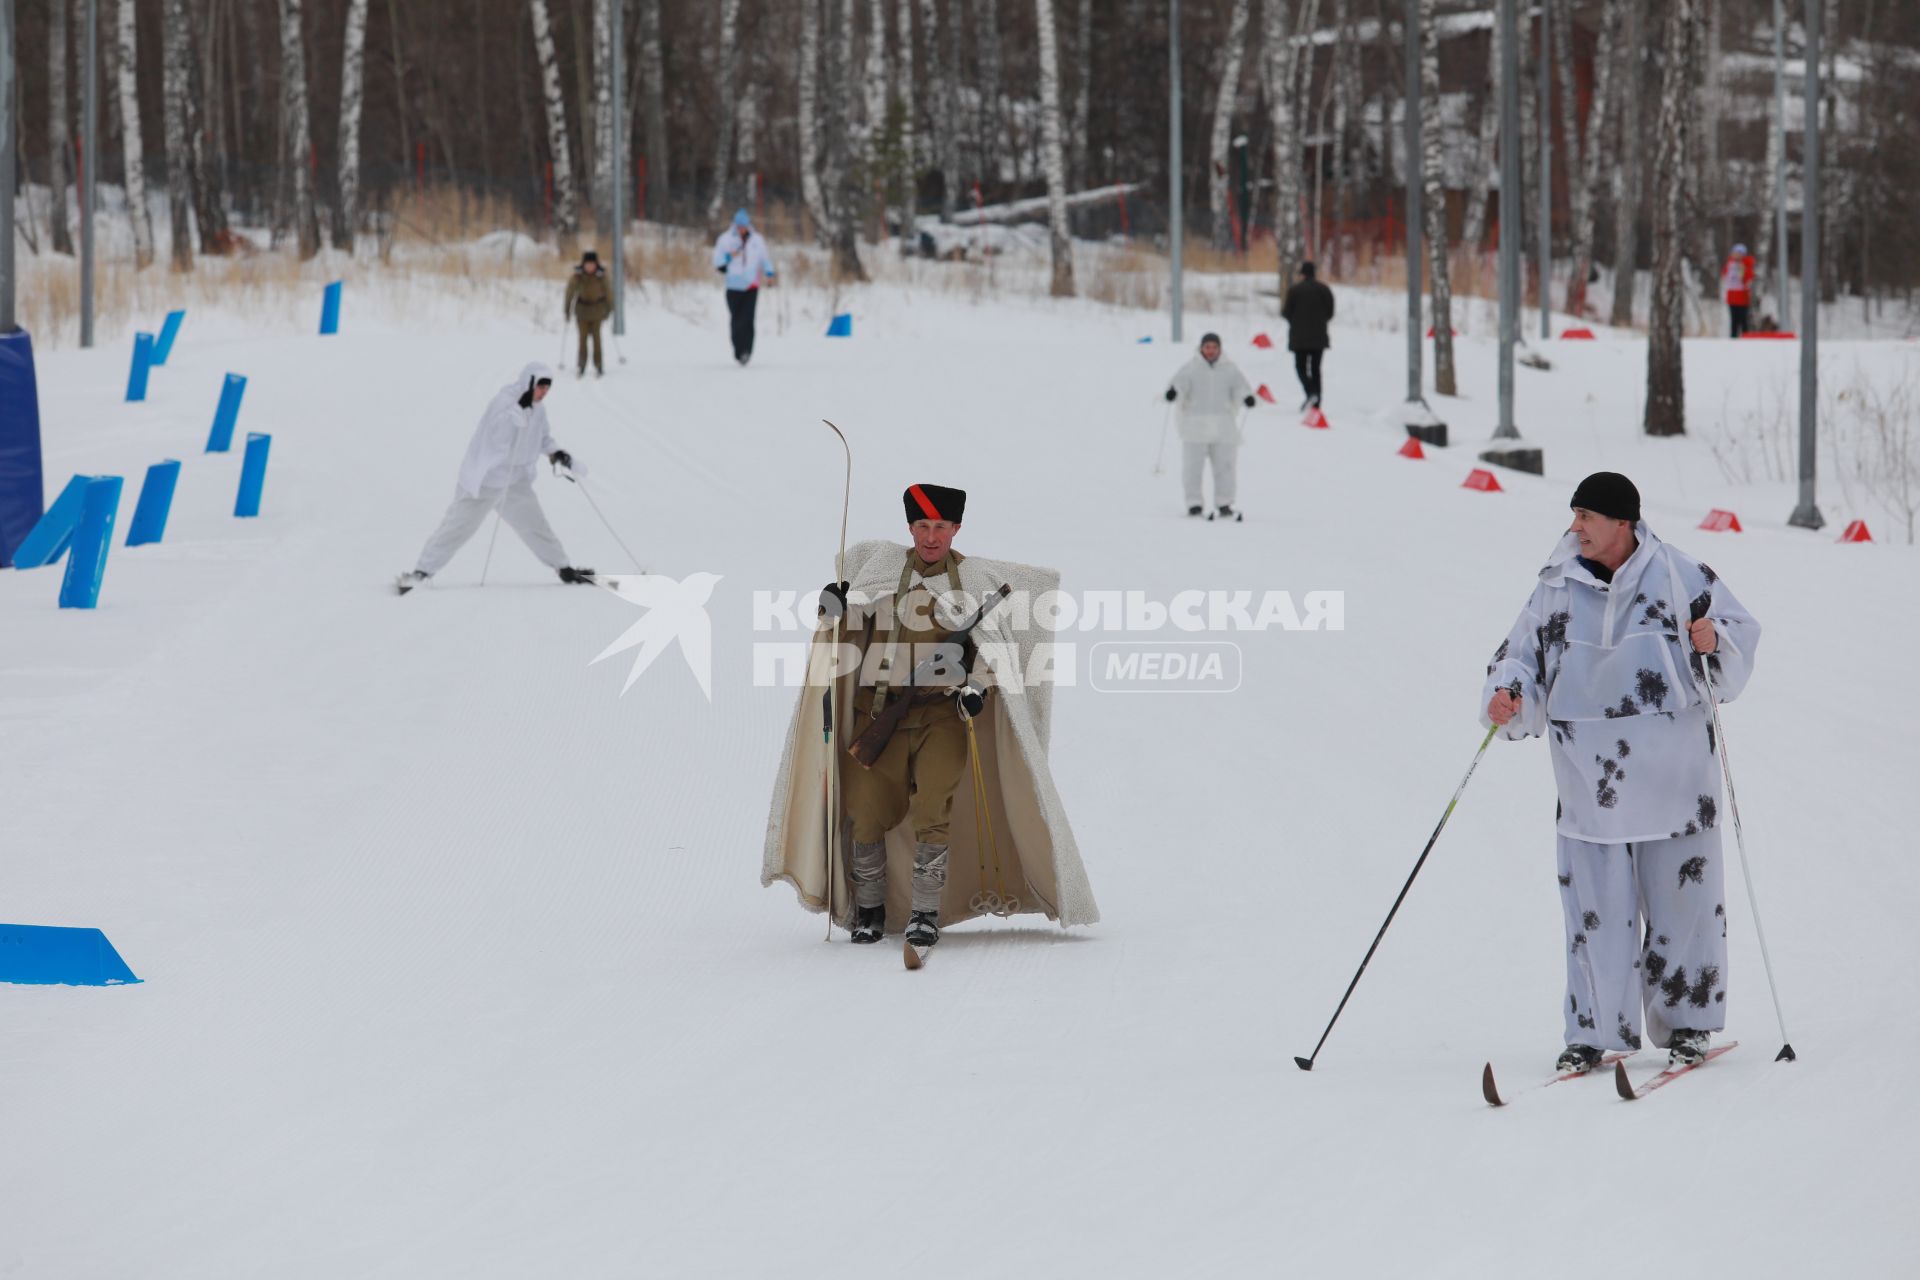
(934, 502)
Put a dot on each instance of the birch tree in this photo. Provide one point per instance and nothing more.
(1082, 94)
(209, 177)
(842, 161)
(353, 61)
(601, 163)
(1473, 229)
(812, 188)
(1277, 54)
(59, 138)
(1056, 156)
(654, 104)
(176, 64)
(1627, 192)
(724, 113)
(127, 101)
(990, 123)
(566, 214)
(1220, 149)
(1434, 199)
(1594, 154)
(1666, 413)
(875, 80)
(904, 91)
(939, 112)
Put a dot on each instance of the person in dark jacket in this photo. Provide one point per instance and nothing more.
(589, 303)
(1308, 310)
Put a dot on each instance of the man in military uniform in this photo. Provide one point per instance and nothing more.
(589, 302)
(917, 774)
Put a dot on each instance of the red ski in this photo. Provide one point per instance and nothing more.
(1630, 1091)
(1491, 1092)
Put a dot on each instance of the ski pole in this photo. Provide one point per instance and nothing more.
(490, 541)
(1159, 456)
(563, 343)
(1306, 1063)
(831, 776)
(1786, 1053)
(568, 474)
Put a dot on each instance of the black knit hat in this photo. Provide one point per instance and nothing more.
(934, 502)
(589, 256)
(1609, 494)
(1205, 338)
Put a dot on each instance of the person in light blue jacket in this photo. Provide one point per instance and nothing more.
(741, 255)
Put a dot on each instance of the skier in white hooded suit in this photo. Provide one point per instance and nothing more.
(497, 475)
(1606, 662)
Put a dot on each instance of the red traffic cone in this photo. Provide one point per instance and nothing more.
(1719, 521)
(1454, 332)
(1315, 419)
(1264, 394)
(1586, 334)
(1482, 481)
(1262, 341)
(1857, 532)
(1411, 449)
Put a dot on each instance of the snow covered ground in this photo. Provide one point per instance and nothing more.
(456, 963)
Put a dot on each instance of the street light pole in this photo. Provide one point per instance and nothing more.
(8, 132)
(1807, 515)
(1785, 277)
(617, 163)
(1546, 180)
(1175, 228)
(1509, 212)
(1413, 199)
(89, 166)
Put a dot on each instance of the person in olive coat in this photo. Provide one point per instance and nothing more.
(589, 303)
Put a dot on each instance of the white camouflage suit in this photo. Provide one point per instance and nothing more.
(1603, 670)
(1210, 398)
(497, 474)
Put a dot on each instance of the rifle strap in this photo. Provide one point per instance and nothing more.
(884, 679)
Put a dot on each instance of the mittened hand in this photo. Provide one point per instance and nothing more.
(1172, 395)
(561, 458)
(972, 701)
(1705, 639)
(833, 599)
(1249, 402)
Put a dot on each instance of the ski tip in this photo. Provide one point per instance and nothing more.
(913, 956)
(1786, 1054)
(1621, 1083)
(1487, 1088)
(1305, 1064)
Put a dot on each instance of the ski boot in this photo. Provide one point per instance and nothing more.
(923, 928)
(869, 923)
(572, 576)
(1196, 511)
(409, 580)
(1687, 1049)
(1577, 1059)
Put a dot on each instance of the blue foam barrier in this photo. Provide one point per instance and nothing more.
(220, 439)
(47, 541)
(330, 309)
(149, 521)
(47, 955)
(92, 539)
(841, 326)
(253, 475)
(142, 363)
(168, 332)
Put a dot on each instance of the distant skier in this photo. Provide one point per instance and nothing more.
(1308, 310)
(1736, 286)
(497, 475)
(1209, 391)
(589, 303)
(742, 257)
(1606, 658)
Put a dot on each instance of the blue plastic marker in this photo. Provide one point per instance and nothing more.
(253, 474)
(149, 521)
(168, 332)
(330, 309)
(92, 539)
(142, 362)
(221, 438)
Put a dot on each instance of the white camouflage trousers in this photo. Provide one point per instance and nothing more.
(516, 505)
(1646, 924)
(1225, 457)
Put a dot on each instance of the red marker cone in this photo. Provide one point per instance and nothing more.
(1264, 394)
(1719, 521)
(1482, 481)
(1586, 334)
(1262, 341)
(1315, 419)
(1857, 532)
(1412, 449)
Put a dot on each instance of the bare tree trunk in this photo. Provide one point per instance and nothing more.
(1082, 94)
(1434, 204)
(1277, 53)
(566, 213)
(176, 73)
(812, 192)
(1221, 144)
(875, 81)
(353, 80)
(1473, 230)
(1666, 387)
(299, 136)
(1056, 156)
(842, 162)
(940, 130)
(127, 99)
(950, 98)
(1561, 28)
(1627, 187)
(600, 131)
(909, 110)
(724, 113)
(59, 138)
(990, 128)
(1346, 83)
(1595, 156)
(654, 102)
(206, 152)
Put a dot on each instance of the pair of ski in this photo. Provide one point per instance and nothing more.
(1623, 1083)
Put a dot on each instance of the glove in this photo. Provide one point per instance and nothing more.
(1249, 402)
(972, 701)
(1172, 395)
(561, 458)
(833, 599)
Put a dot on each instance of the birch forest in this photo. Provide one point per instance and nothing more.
(864, 125)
